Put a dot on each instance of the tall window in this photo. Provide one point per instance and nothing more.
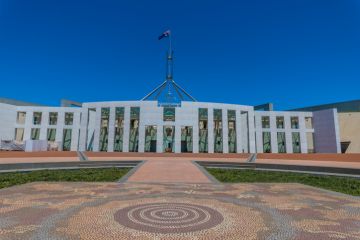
(19, 134)
(37, 118)
(232, 130)
(35, 133)
(186, 139)
(281, 142)
(294, 122)
(169, 138)
(265, 121)
(134, 129)
(310, 142)
(21, 117)
(69, 118)
(280, 122)
(169, 114)
(67, 139)
(203, 130)
(150, 138)
(218, 133)
(53, 116)
(104, 129)
(119, 129)
(309, 122)
(296, 142)
(267, 142)
(51, 134)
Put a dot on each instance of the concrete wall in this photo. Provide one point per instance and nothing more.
(326, 135)
(7, 121)
(349, 124)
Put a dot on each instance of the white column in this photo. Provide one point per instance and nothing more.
(83, 129)
(111, 135)
(259, 138)
(141, 134)
(196, 135)
(177, 138)
(303, 139)
(251, 127)
(97, 129)
(238, 132)
(126, 129)
(288, 136)
(60, 128)
(43, 126)
(274, 145)
(28, 125)
(225, 131)
(211, 130)
(159, 139)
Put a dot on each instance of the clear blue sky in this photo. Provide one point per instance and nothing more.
(292, 53)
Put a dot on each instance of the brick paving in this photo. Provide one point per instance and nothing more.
(176, 211)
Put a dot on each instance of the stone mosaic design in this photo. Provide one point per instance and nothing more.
(176, 211)
(168, 217)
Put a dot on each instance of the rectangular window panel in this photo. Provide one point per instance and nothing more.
(203, 130)
(281, 142)
(119, 129)
(51, 134)
(294, 122)
(21, 117)
(69, 118)
(67, 139)
(296, 142)
(53, 116)
(187, 139)
(19, 134)
(310, 142)
(150, 138)
(37, 118)
(265, 122)
(266, 142)
(134, 129)
(169, 138)
(35, 133)
(169, 114)
(280, 122)
(309, 122)
(218, 133)
(104, 129)
(232, 131)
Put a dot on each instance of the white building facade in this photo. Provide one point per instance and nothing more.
(146, 126)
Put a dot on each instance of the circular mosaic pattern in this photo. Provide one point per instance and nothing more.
(168, 217)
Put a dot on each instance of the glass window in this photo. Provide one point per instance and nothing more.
(266, 142)
(232, 131)
(21, 117)
(281, 142)
(19, 134)
(53, 116)
(309, 122)
(69, 118)
(67, 139)
(296, 142)
(186, 139)
(35, 133)
(265, 121)
(169, 114)
(119, 129)
(294, 122)
(150, 138)
(51, 134)
(280, 122)
(218, 133)
(169, 138)
(310, 142)
(104, 129)
(37, 118)
(203, 130)
(134, 129)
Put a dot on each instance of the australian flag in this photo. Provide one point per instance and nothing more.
(164, 34)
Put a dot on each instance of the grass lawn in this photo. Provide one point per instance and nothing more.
(76, 175)
(339, 184)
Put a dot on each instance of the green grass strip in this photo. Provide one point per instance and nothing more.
(70, 175)
(345, 185)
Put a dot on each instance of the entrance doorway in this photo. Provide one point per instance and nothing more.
(169, 138)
